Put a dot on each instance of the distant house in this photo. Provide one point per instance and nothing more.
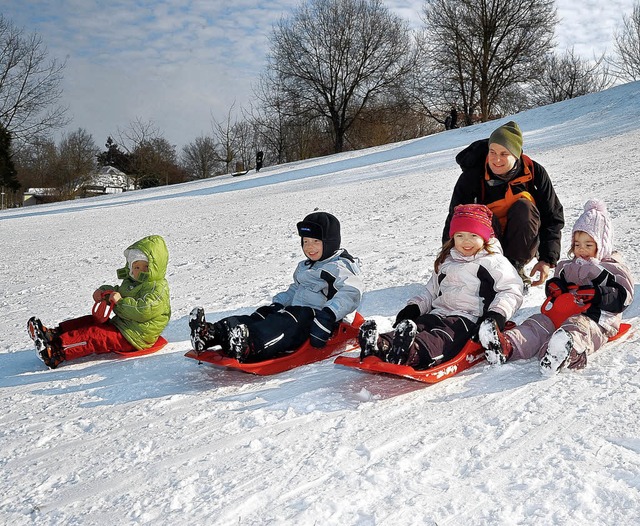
(107, 180)
(37, 196)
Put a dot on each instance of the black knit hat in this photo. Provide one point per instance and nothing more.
(322, 226)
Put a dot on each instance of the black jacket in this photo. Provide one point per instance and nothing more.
(468, 190)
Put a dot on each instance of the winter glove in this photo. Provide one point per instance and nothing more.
(322, 327)
(554, 287)
(499, 318)
(266, 310)
(410, 312)
(588, 294)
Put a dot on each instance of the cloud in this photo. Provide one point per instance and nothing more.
(177, 63)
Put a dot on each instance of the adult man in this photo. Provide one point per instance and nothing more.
(528, 216)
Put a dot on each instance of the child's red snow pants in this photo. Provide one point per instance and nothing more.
(84, 336)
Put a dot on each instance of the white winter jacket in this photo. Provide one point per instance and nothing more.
(334, 283)
(471, 286)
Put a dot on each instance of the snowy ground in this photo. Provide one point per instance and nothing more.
(162, 440)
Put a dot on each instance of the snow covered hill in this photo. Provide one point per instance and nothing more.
(162, 440)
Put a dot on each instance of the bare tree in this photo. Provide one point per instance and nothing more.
(152, 159)
(76, 162)
(200, 159)
(332, 57)
(137, 132)
(29, 85)
(231, 138)
(35, 163)
(626, 64)
(568, 76)
(480, 50)
(154, 163)
(286, 133)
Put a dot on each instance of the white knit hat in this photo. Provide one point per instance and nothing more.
(133, 254)
(596, 222)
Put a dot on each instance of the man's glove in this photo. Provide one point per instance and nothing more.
(554, 287)
(410, 312)
(266, 310)
(322, 327)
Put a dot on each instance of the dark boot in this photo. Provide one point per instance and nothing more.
(203, 334)
(239, 347)
(403, 339)
(368, 339)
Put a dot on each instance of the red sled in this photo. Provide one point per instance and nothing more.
(160, 343)
(472, 353)
(340, 342)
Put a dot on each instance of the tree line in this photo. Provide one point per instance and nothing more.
(340, 75)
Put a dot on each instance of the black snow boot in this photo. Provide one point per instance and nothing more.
(403, 339)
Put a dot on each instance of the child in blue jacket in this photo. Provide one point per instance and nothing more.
(326, 287)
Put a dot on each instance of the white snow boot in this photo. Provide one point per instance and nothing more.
(558, 351)
(497, 347)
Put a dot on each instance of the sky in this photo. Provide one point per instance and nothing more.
(161, 440)
(182, 63)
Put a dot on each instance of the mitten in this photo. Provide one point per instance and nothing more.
(266, 310)
(322, 327)
(410, 312)
(500, 319)
(588, 294)
(554, 287)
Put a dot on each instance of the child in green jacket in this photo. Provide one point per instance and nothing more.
(140, 306)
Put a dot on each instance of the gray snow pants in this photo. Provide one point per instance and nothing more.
(531, 337)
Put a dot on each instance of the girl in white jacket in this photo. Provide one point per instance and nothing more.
(472, 281)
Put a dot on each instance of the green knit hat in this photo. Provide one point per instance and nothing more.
(509, 136)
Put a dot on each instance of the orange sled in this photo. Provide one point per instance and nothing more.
(341, 341)
(160, 343)
(472, 353)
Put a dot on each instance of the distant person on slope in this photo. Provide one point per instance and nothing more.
(599, 288)
(326, 287)
(141, 311)
(472, 281)
(528, 215)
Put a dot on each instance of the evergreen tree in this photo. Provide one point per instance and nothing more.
(115, 157)
(8, 173)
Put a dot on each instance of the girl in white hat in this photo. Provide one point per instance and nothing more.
(601, 284)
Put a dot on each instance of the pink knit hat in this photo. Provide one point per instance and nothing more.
(596, 222)
(472, 218)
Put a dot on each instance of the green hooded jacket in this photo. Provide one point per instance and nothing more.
(144, 310)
